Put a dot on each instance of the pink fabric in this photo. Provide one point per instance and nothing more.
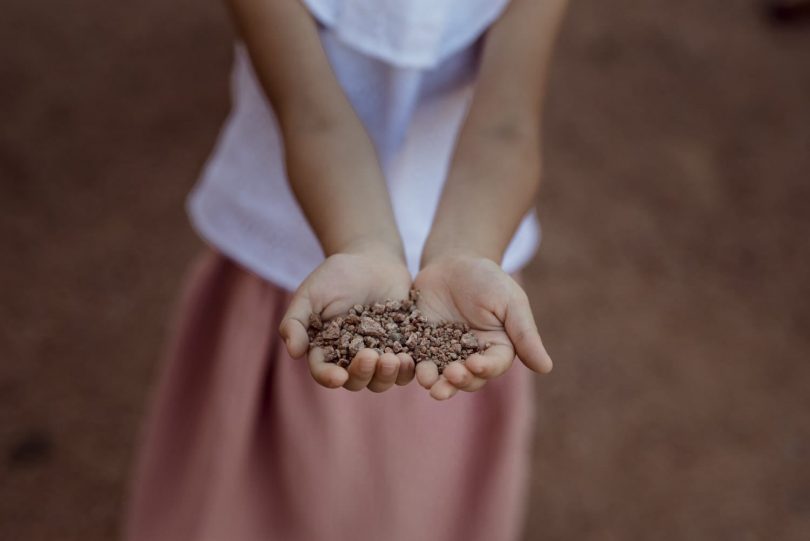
(244, 446)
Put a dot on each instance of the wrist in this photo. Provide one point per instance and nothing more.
(436, 251)
(378, 246)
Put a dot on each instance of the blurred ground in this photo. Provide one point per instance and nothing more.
(671, 288)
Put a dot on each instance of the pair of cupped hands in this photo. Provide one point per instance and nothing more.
(453, 287)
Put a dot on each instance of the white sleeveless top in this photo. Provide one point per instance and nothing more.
(408, 68)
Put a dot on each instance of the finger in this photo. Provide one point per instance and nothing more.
(327, 374)
(427, 373)
(522, 331)
(361, 369)
(407, 369)
(492, 362)
(443, 389)
(476, 385)
(293, 328)
(385, 374)
(461, 378)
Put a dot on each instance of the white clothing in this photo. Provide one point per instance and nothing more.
(410, 88)
(407, 33)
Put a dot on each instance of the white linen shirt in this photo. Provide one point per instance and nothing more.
(408, 68)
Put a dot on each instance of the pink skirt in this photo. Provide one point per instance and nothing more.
(243, 445)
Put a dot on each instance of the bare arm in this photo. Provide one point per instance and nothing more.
(334, 173)
(491, 185)
(331, 163)
(495, 171)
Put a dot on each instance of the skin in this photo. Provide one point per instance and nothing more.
(492, 182)
(339, 186)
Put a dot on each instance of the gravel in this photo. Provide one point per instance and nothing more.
(393, 326)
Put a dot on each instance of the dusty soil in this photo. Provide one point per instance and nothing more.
(672, 286)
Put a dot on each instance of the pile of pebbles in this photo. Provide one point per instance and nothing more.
(392, 327)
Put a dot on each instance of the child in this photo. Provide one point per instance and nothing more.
(348, 116)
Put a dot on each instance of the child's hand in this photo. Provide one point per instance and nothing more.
(477, 291)
(360, 276)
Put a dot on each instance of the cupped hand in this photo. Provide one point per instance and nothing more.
(360, 276)
(477, 291)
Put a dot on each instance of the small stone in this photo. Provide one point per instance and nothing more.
(355, 345)
(469, 340)
(330, 354)
(331, 331)
(369, 327)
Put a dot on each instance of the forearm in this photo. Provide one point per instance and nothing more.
(335, 177)
(330, 160)
(486, 195)
(495, 171)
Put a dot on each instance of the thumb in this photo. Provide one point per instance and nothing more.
(294, 324)
(522, 331)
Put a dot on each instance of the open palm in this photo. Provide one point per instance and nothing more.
(340, 282)
(478, 292)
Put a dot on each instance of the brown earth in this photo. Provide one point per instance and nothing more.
(672, 287)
